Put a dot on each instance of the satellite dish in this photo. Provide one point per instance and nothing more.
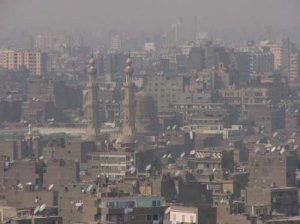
(275, 134)
(168, 128)
(214, 170)
(79, 204)
(42, 208)
(174, 127)
(50, 187)
(132, 170)
(191, 135)
(295, 147)
(131, 159)
(148, 167)
(282, 150)
(192, 152)
(256, 149)
(164, 156)
(168, 142)
(177, 173)
(169, 156)
(20, 186)
(257, 142)
(29, 183)
(296, 111)
(182, 155)
(41, 157)
(167, 210)
(36, 210)
(89, 188)
(273, 149)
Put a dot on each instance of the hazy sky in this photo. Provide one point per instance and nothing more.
(221, 17)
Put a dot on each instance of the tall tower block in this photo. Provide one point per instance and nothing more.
(129, 102)
(92, 131)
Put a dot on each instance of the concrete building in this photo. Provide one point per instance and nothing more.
(192, 215)
(294, 67)
(146, 114)
(116, 43)
(35, 62)
(272, 168)
(251, 60)
(164, 90)
(245, 96)
(276, 50)
(131, 209)
(113, 165)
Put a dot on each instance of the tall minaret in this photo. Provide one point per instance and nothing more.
(92, 131)
(128, 102)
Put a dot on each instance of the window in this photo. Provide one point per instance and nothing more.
(183, 218)
(155, 217)
(153, 203)
(149, 217)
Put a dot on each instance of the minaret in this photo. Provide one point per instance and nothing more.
(128, 102)
(92, 131)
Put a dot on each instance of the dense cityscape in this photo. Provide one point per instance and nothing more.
(167, 127)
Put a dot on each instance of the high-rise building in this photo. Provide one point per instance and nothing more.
(116, 43)
(35, 62)
(276, 50)
(254, 60)
(294, 67)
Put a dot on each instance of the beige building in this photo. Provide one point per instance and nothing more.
(276, 50)
(245, 96)
(164, 90)
(294, 66)
(35, 62)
